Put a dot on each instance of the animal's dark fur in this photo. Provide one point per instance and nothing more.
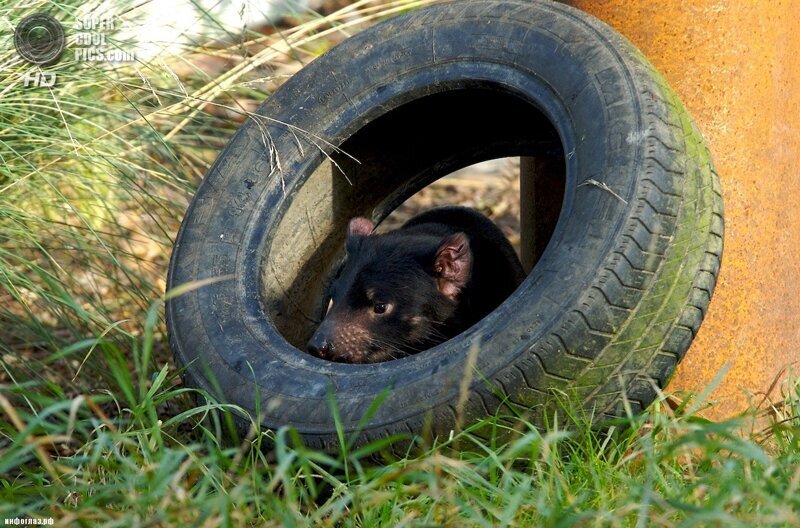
(402, 292)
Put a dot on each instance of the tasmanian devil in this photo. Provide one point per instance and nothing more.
(402, 292)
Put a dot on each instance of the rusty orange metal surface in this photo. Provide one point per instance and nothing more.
(736, 66)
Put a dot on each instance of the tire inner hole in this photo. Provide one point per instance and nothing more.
(481, 147)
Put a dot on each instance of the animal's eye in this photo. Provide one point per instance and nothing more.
(380, 308)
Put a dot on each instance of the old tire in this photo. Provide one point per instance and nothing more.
(606, 314)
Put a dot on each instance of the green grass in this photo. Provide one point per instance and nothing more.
(140, 452)
(96, 428)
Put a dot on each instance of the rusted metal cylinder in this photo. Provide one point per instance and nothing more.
(736, 66)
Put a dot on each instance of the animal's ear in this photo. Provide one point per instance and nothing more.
(453, 264)
(360, 227)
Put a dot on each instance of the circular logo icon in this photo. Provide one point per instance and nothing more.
(39, 39)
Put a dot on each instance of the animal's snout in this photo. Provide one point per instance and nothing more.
(320, 346)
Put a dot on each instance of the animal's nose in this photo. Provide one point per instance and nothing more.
(320, 346)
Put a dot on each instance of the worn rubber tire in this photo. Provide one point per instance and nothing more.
(606, 314)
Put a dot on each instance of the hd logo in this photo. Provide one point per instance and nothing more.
(38, 79)
(40, 40)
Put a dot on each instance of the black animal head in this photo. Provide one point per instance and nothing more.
(397, 294)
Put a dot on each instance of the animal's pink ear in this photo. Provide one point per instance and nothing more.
(453, 264)
(360, 227)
